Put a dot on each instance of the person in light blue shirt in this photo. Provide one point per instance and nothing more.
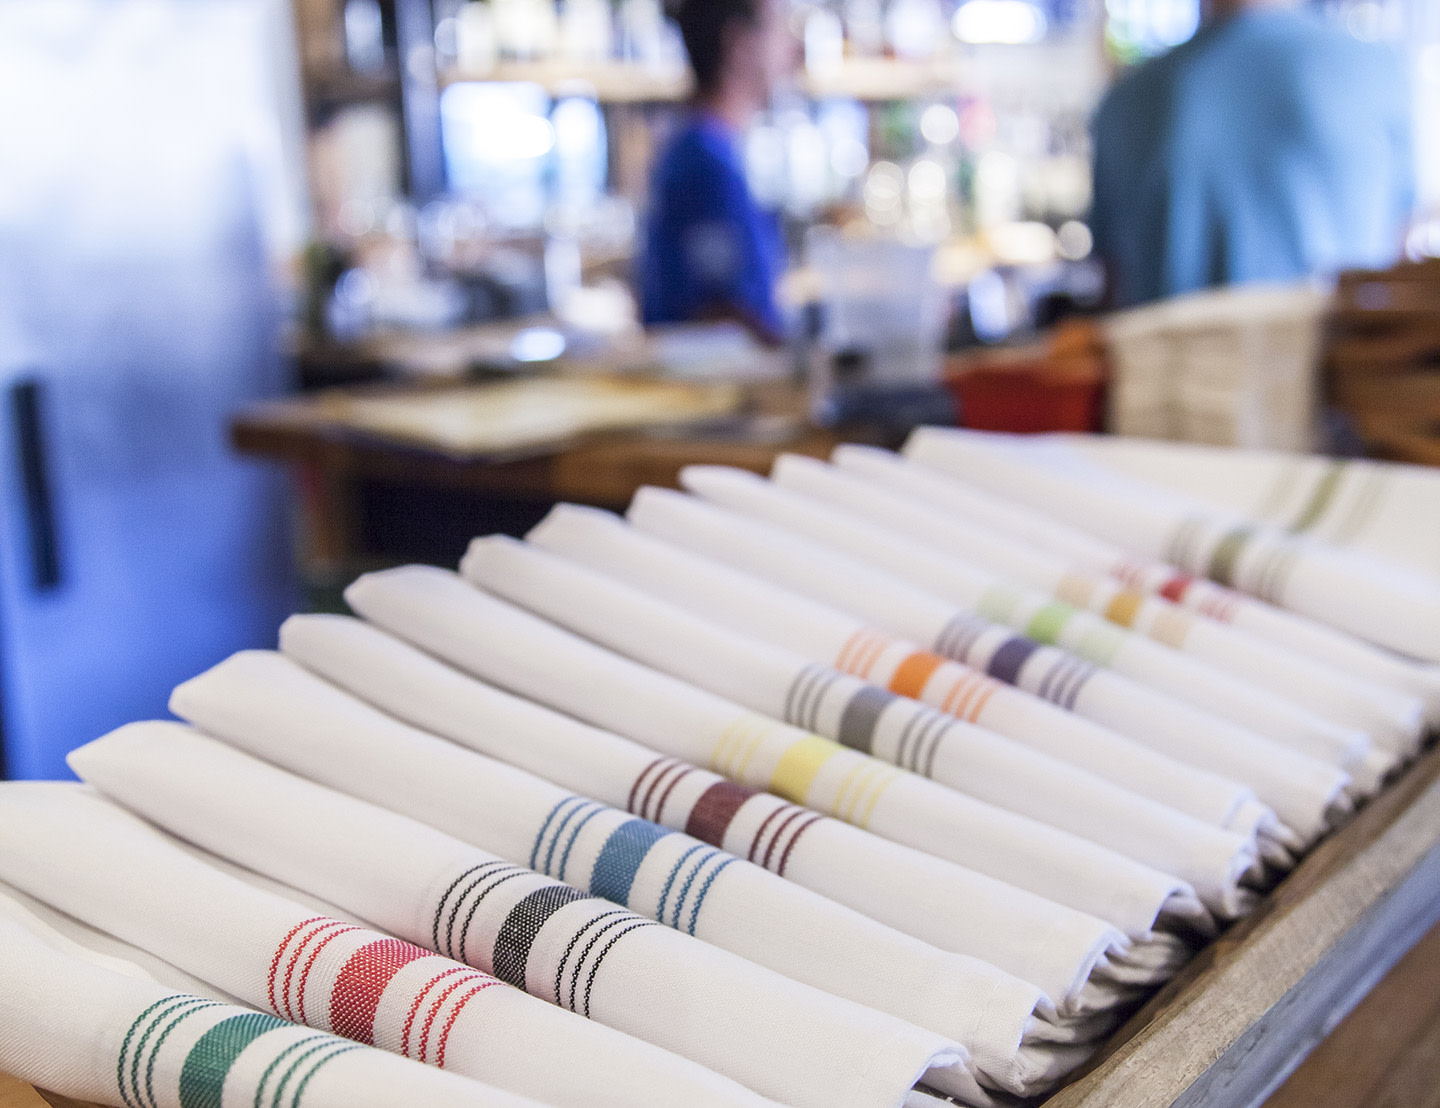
(711, 252)
(1271, 147)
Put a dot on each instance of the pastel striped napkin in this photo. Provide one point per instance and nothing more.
(85, 857)
(1301, 790)
(1325, 691)
(824, 634)
(1093, 558)
(266, 704)
(1076, 959)
(781, 1038)
(1382, 509)
(1035, 615)
(1383, 602)
(867, 718)
(84, 1030)
(501, 643)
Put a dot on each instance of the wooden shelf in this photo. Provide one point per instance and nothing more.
(611, 82)
(869, 79)
(881, 79)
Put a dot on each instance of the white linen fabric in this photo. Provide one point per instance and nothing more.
(1301, 790)
(589, 955)
(84, 856)
(826, 634)
(866, 718)
(1035, 615)
(1386, 510)
(1140, 577)
(84, 1030)
(1384, 602)
(501, 643)
(268, 705)
(1323, 690)
(1074, 958)
(79, 940)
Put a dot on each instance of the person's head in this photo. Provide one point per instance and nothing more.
(738, 48)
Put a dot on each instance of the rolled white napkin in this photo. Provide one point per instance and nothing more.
(1385, 510)
(864, 717)
(1322, 689)
(267, 704)
(1383, 602)
(1301, 790)
(589, 955)
(1074, 958)
(499, 642)
(87, 1031)
(823, 633)
(79, 940)
(1034, 614)
(1093, 557)
(86, 857)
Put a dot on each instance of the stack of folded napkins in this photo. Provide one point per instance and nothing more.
(877, 784)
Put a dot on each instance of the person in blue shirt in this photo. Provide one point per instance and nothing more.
(711, 253)
(1270, 147)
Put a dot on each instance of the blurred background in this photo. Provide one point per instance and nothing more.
(292, 288)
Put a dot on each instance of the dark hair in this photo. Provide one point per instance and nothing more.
(702, 26)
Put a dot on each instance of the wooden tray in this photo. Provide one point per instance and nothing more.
(1234, 1024)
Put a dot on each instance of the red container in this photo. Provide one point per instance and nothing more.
(1029, 393)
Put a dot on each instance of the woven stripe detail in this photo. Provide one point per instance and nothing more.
(522, 924)
(1320, 498)
(1007, 662)
(799, 765)
(652, 788)
(550, 853)
(298, 1063)
(620, 859)
(959, 636)
(202, 1077)
(1076, 589)
(914, 673)
(362, 981)
(1171, 627)
(711, 816)
(1047, 624)
(861, 651)
(135, 1064)
(965, 693)
(1124, 607)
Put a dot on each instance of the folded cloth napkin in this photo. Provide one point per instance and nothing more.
(79, 940)
(864, 717)
(1094, 557)
(1383, 509)
(1155, 598)
(775, 1035)
(1322, 689)
(266, 704)
(1034, 614)
(86, 857)
(525, 654)
(1381, 601)
(84, 1030)
(1301, 790)
(1072, 957)
(826, 634)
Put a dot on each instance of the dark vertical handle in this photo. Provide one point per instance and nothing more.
(25, 411)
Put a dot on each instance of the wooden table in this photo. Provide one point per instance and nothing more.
(1230, 1028)
(340, 473)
